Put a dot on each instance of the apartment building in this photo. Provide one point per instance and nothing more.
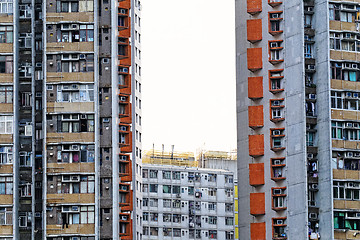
(298, 125)
(226, 161)
(70, 119)
(187, 203)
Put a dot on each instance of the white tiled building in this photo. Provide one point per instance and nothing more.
(187, 203)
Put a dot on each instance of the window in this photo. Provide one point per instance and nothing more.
(6, 33)
(6, 6)
(145, 216)
(6, 124)
(347, 191)
(175, 189)
(212, 206)
(87, 215)
(6, 155)
(145, 230)
(75, 93)
(190, 190)
(166, 189)
(176, 203)
(166, 174)
(73, 123)
(153, 217)
(212, 234)
(347, 220)
(86, 33)
(229, 207)
(275, 49)
(279, 228)
(6, 215)
(276, 77)
(277, 169)
(229, 221)
(167, 203)
(212, 177)
(145, 173)
(212, 220)
(153, 174)
(277, 138)
(279, 198)
(345, 100)
(72, 62)
(145, 188)
(153, 202)
(75, 153)
(87, 184)
(334, 12)
(6, 94)
(176, 175)
(154, 231)
(229, 235)
(277, 107)
(6, 185)
(153, 188)
(6, 64)
(25, 158)
(275, 19)
(166, 217)
(212, 192)
(75, 6)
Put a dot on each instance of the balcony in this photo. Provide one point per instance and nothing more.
(70, 167)
(70, 17)
(69, 77)
(69, 47)
(70, 198)
(71, 229)
(66, 107)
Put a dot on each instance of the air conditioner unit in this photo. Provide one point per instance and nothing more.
(347, 65)
(123, 157)
(75, 178)
(276, 103)
(275, 15)
(178, 195)
(74, 27)
(309, 9)
(123, 128)
(83, 116)
(82, 56)
(279, 222)
(312, 96)
(311, 67)
(357, 154)
(348, 94)
(277, 191)
(75, 147)
(349, 154)
(74, 208)
(350, 185)
(273, 45)
(123, 99)
(357, 215)
(310, 156)
(125, 70)
(349, 124)
(355, 95)
(75, 238)
(106, 120)
(355, 185)
(314, 186)
(123, 11)
(75, 86)
(277, 162)
(124, 218)
(313, 215)
(276, 132)
(28, 130)
(356, 125)
(37, 214)
(354, 65)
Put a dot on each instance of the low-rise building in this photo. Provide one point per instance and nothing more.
(187, 202)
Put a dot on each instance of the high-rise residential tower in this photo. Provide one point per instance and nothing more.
(70, 119)
(298, 119)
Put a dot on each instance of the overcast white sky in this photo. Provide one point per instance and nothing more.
(188, 74)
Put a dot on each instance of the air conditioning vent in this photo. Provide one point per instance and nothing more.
(276, 103)
(277, 191)
(279, 222)
(349, 125)
(310, 156)
(276, 132)
(277, 162)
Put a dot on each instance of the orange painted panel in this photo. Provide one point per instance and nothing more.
(254, 59)
(258, 231)
(255, 87)
(256, 145)
(254, 30)
(257, 203)
(256, 174)
(254, 6)
(256, 116)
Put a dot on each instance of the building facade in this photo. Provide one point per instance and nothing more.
(70, 119)
(188, 203)
(297, 108)
(226, 161)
